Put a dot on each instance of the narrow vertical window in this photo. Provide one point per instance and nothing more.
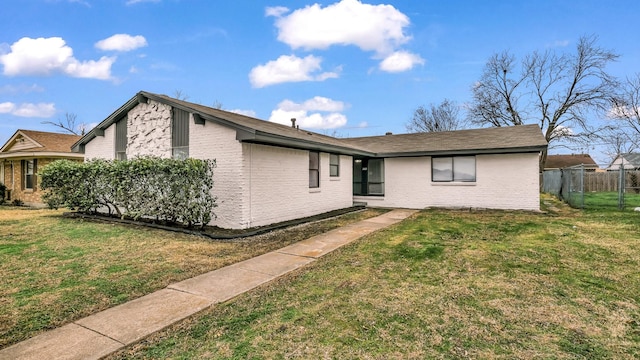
(334, 165)
(121, 139)
(314, 169)
(29, 171)
(180, 134)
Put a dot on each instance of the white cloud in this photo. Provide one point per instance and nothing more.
(133, 2)
(288, 68)
(400, 61)
(325, 113)
(276, 11)
(41, 110)
(378, 28)
(559, 43)
(121, 42)
(17, 89)
(562, 131)
(250, 113)
(7, 107)
(45, 56)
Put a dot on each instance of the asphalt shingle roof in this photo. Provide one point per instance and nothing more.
(563, 161)
(502, 138)
(50, 141)
(523, 138)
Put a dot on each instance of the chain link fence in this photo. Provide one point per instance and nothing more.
(583, 189)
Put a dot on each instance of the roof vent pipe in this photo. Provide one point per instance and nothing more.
(293, 123)
(389, 133)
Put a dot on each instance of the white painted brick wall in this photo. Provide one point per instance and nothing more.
(149, 130)
(508, 181)
(102, 147)
(213, 141)
(279, 185)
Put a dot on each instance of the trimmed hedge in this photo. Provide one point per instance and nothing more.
(169, 190)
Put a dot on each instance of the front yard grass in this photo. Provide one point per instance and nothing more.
(57, 269)
(442, 284)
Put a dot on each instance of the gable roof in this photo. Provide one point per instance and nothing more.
(524, 138)
(38, 142)
(563, 161)
(630, 160)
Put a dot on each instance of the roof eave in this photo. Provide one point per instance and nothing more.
(39, 154)
(259, 137)
(78, 147)
(526, 149)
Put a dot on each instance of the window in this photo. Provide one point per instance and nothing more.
(368, 176)
(29, 174)
(121, 139)
(334, 165)
(314, 169)
(456, 168)
(180, 134)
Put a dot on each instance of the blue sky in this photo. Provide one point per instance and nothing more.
(353, 68)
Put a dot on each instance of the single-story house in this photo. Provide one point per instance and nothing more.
(630, 161)
(556, 162)
(24, 153)
(268, 172)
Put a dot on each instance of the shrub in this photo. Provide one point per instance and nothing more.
(3, 190)
(177, 191)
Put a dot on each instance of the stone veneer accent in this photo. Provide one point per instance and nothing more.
(149, 130)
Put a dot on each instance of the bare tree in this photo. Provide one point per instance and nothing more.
(626, 106)
(442, 117)
(70, 124)
(178, 94)
(557, 90)
(619, 141)
(217, 104)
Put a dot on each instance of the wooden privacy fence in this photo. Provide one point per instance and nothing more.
(609, 181)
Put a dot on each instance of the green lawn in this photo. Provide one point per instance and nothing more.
(56, 269)
(443, 284)
(602, 201)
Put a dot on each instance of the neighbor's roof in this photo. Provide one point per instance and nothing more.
(30, 141)
(563, 161)
(508, 139)
(521, 138)
(632, 158)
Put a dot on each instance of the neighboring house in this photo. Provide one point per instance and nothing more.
(268, 173)
(555, 162)
(24, 153)
(630, 161)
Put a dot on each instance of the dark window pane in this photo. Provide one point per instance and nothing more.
(314, 179)
(314, 169)
(334, 165)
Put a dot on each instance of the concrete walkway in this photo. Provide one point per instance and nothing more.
(108, 331)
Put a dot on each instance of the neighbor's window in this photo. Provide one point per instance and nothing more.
(334, 165)
(314, 169)
(121, 139)
(454, 168)
(29, 171)
(180, 134)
